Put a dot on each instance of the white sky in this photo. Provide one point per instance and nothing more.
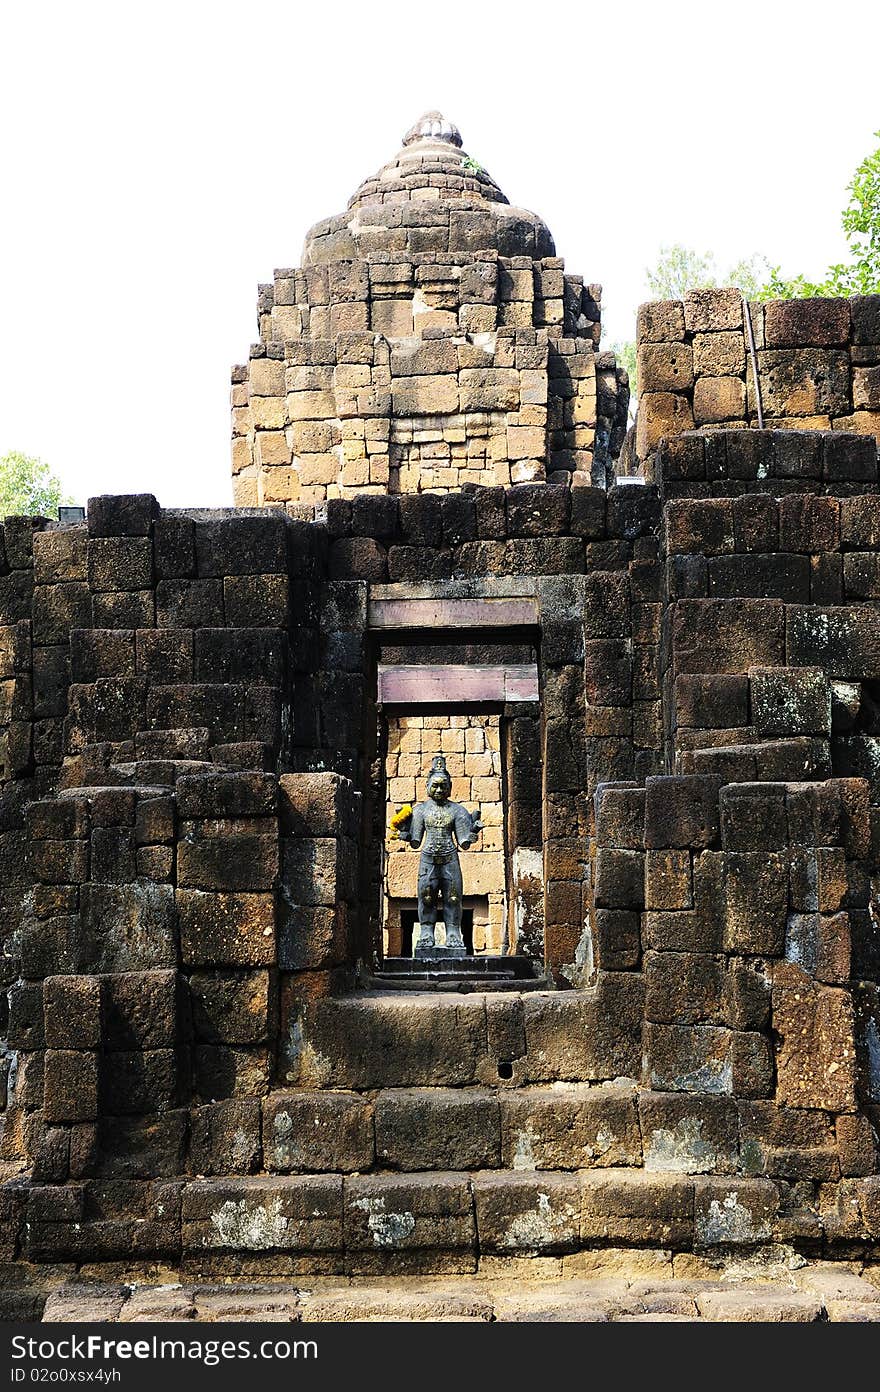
(160, 159)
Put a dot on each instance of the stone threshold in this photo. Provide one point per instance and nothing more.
(594, 1287)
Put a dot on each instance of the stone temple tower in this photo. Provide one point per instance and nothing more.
(431, 339)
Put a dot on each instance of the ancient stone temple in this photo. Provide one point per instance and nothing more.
(653, 680)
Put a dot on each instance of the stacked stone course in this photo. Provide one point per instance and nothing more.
(194, 911)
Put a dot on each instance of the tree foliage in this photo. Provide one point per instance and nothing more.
(680, 268)
(861, 226)
(626, 357)
(28, 486)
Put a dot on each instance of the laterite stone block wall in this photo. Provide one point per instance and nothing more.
(817, 364)
(195, 1071)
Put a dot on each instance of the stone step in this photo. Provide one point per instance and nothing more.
(87, 771)
(567, 1126)
(429, 981)
(555, 1126)
(486, 966)
(601, 1286)
(444, 1221)
(386, 1038)
(486, 973)
(165, 771)
(768, 761)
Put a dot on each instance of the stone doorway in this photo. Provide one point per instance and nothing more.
(460, 677)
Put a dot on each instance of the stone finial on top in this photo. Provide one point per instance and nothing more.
(433, 126)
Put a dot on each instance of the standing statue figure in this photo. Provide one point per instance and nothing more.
(446, 828)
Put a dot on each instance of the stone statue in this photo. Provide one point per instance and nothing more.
(446, 828)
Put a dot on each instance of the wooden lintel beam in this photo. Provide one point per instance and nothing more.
(457, 684)
(452, 613)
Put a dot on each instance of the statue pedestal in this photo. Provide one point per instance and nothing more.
(438, 969)
(435, 953)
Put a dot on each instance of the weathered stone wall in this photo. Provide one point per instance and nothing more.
(202, 1064)
(167, 928)
(818, 366)
(362, 413)
(738, 904)
(674, 742)
(739, 889)
(194, 1076)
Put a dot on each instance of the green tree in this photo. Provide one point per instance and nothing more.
(680, 268)
(861, 225)
(749, 275)
(626, 357)
(28, 486)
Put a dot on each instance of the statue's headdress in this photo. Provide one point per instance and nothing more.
(439, 770)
